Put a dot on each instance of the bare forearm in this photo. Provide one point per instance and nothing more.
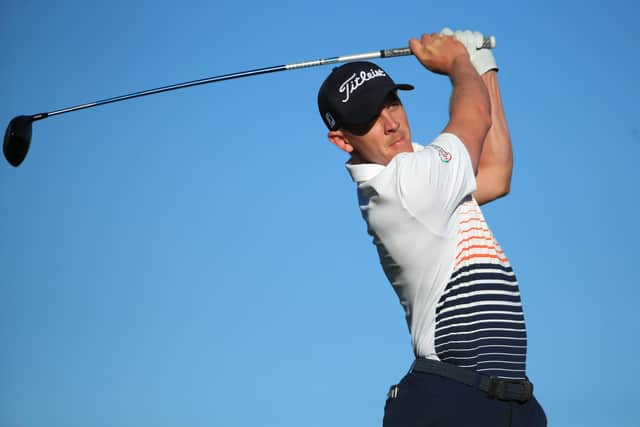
(497, 144)
(469, 106)
(469, 95)
(469, 109)
(496, 160)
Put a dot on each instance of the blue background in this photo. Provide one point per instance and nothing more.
(197, 258)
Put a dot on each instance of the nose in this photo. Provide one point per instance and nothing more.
(389, 123)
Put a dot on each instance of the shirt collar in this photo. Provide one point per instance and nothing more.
(366, 171)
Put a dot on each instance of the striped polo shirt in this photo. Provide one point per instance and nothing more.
(479, 319)
(456, 286)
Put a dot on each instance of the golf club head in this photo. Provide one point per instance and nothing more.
(17, 139)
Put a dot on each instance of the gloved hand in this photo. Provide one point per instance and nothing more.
(482, 59)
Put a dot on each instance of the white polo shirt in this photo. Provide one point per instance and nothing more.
(459, 294)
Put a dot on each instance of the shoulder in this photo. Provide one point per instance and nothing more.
(446, 149)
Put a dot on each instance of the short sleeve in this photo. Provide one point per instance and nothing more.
(435, 181)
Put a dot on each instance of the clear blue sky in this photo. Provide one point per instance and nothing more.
(197, 258)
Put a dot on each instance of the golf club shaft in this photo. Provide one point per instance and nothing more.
(489, 42)
(304, 64)
(17, 137)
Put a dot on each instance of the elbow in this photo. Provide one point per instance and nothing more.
(504, 190)
(493, 187)
(489, 195)
(504, 186)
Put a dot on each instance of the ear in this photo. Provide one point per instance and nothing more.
(339, 139)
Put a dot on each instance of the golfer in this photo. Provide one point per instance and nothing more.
(421, 205)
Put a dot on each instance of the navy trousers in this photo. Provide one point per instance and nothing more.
(427, 400)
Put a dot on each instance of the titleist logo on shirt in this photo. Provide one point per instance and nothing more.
(355, 81)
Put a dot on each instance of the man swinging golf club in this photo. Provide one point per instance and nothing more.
(421, 206)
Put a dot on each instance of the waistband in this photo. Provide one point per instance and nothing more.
(496, 388)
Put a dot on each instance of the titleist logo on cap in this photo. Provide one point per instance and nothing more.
(355, 81)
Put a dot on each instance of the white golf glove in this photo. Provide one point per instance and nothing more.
(482, 59)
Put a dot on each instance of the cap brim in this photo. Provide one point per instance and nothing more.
(404, 86)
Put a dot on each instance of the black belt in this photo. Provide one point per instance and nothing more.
(496, 388)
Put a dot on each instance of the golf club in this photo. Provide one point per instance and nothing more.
(17, 137)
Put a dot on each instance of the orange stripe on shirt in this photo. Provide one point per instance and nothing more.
(488, 238)
(478, 219)
(466, 250)
(475, 229)
(469, 212)
(475, 256)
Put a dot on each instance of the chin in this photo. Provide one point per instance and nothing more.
(402, 148)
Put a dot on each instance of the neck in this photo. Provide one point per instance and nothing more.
(356, 159)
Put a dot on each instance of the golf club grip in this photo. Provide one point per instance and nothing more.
(488, 42)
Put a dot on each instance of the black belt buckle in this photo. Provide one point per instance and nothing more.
(528, 390)
(499, 389)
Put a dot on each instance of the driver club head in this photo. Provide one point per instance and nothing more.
(17, 139)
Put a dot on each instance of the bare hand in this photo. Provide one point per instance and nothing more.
(438, 52)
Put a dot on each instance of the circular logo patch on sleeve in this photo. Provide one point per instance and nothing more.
(445, 156)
